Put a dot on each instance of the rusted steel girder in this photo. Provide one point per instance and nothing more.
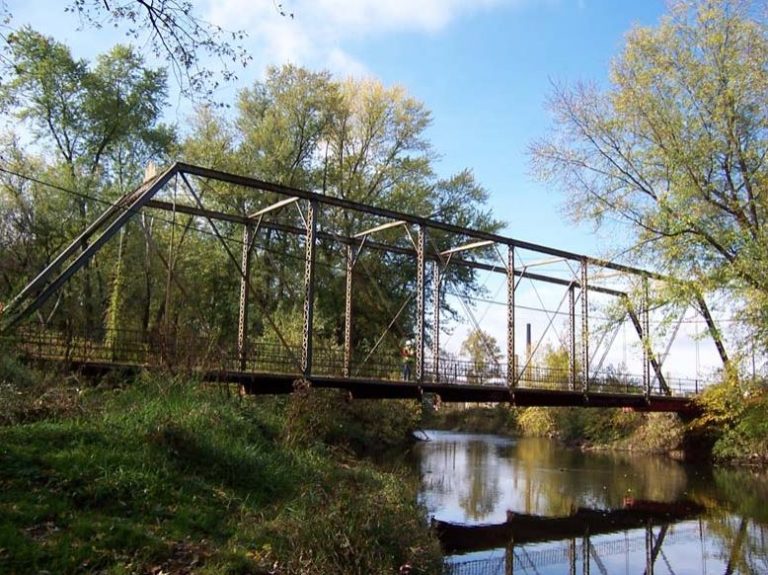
(309, 289)
(511, 353)
(584, 327)
(436, 276)
(349, 268)
(421, 244)
(242, 319)
(572, 336)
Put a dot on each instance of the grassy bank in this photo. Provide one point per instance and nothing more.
(167, 476)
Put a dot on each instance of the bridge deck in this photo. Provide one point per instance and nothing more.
(367, 388)
(270, 369)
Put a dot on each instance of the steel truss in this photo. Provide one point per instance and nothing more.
(423, 249)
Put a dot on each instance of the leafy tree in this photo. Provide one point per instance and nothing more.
(95, 128)
(356, 140)
(173, 31)
(484, 356)
(677, 148)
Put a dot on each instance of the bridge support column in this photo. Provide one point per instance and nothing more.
(242, 321)
(572, 337)
(436, 321)
(348, 311)
(572, 557)
(585, 553)
(649, 549)
(511, 357)
(420, 301)
(584, 327)
(309, 289)
(646, 325)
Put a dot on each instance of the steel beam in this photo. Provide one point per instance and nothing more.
(467, 247)
(273, 207)
(139, 199)
(584, 327)
(309, 289)
(436, 320)
(645, 341)
(82, 239)
(408, 218)
(421, 241)
(378, 229)
(572, 372)
(713, 331)
(646, 316)
(350, 262)
(512, 376)
(376, 246)
(242, 320)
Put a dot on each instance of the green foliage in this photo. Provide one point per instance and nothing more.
(537, 422)
(364, 427)
(484, 355)
(170, 476)
(735, 415)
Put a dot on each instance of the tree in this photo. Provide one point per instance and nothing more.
(484, 356)
(357, 140)
(172, 31)
(677, 149)
(95, 128)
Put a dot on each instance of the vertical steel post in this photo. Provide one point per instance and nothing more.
(649, 548)
(572, 556)
(572, 336)
(348, 311)
(242, 320)
(646, 334)
(585, 553)
(584, 327)
(436, 321)
(511, 357)
(309, 289)
(420, 303)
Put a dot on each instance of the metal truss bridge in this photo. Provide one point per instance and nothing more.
(347, 232)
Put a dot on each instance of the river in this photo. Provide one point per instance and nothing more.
(532, 506)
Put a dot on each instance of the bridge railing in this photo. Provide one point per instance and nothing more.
(193, 351)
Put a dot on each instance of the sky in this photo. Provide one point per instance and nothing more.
(484, 68)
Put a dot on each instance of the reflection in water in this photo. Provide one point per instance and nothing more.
(478, 479)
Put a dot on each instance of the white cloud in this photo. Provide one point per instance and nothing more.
(320, 31)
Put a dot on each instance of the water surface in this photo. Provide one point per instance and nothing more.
(699, 520)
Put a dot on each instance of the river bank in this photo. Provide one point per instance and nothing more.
(731, 428)
(165, 476)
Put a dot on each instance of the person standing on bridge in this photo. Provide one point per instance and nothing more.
(406, 353)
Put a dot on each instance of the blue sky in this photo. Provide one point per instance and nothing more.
(483, 68)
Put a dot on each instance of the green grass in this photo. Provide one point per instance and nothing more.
(172, 477)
